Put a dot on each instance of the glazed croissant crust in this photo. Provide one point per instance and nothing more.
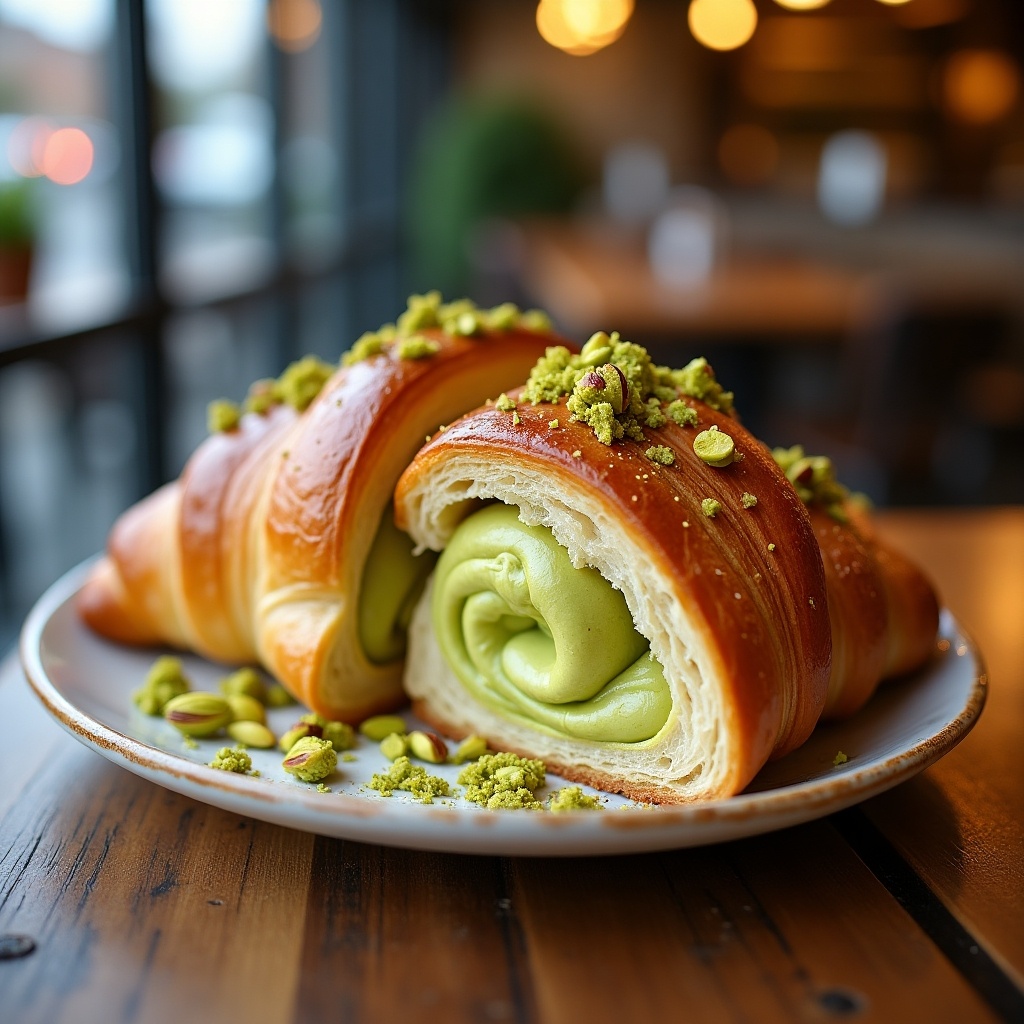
(259, 552)
(761, 614)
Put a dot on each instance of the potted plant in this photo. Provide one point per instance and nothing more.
(17, 238)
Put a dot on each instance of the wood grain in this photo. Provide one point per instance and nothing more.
(961, 824)
(149, 907)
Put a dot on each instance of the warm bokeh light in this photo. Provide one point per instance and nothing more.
(802, 5)
(748, 154)
(894, 3)
(294, 24)
(582, 27)
(67, 156)
(26, 145)
(722, 24)
(929, 13)
(980, 86)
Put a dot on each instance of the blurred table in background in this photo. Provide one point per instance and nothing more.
(147, 907)
(593, 277)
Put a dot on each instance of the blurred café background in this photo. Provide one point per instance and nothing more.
(825, 197)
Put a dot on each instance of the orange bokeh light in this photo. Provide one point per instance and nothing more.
(582, 27)
(980, 86)
(294, 24)
(802, 5)
(722, 24)
(67, 156)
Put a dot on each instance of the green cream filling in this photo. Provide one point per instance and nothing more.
(533, 637)
(393, 579)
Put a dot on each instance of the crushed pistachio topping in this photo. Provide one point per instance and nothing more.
(711, 507)
(261, 395)
(417, 347)
(616, 389)
(504, 403)
(302, 381)
(839, 759)
(245, 682)
(503, 781)
(462, 317)
(232, 759)
(814, 479)
(682, 414)
(516, 419)
(222, 416)
(771, 547)
(714, 447)
(661, 454)
(165, 680)
(572, 798)
(321, 788)
(410, 778)
(748, 500)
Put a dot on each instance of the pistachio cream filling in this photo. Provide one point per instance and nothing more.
(535, 638)
(393, 579)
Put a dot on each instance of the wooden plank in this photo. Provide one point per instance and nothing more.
(145, 905)
(407, 936)
(782, 928)
(961, 824)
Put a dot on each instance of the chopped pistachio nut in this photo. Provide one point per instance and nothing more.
(427, 746)
(466, 324)
(321, 788)
(536, 320)
(503, 317)
(252, 734)
(340, 735)
(246, 682)
(572, 798)
(681, 413)
(577, 454)
(379, 726)
(748, 500)
(839, 759)
(553, 424)
(814, 479)
(279, 697)
(503, 781)
(222, 416)
(246, 709)
(417, 347)
(661, 454)
(410, 778)
(198, 714)
(369, 344)
(303, 380)
(771, 547)
(469, 749)
(714, 447)
(394, 746)
(422, 311)
(310, 759)
(504, 403)
(231, 759)
(516, 419)
(262, 395)
(296, 733)
(711, 507)
(653, 416)
(697, 380)
(165, 680)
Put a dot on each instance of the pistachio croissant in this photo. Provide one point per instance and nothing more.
(632, 588)
(277, 543)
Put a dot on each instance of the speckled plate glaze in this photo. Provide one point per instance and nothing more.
(86, 684)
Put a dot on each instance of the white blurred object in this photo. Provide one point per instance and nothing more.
(851, 177)
(686, 239)
(635, 182)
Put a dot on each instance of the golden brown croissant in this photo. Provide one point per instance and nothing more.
(278, 533)
(708, 546)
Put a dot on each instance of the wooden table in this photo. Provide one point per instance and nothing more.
(145, 906)
(592, 277)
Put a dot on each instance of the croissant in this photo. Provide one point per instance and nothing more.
(633, 589)
(277, 544)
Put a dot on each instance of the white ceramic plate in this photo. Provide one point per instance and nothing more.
(86, 684)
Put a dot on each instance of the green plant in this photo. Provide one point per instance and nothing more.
(17, 214)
